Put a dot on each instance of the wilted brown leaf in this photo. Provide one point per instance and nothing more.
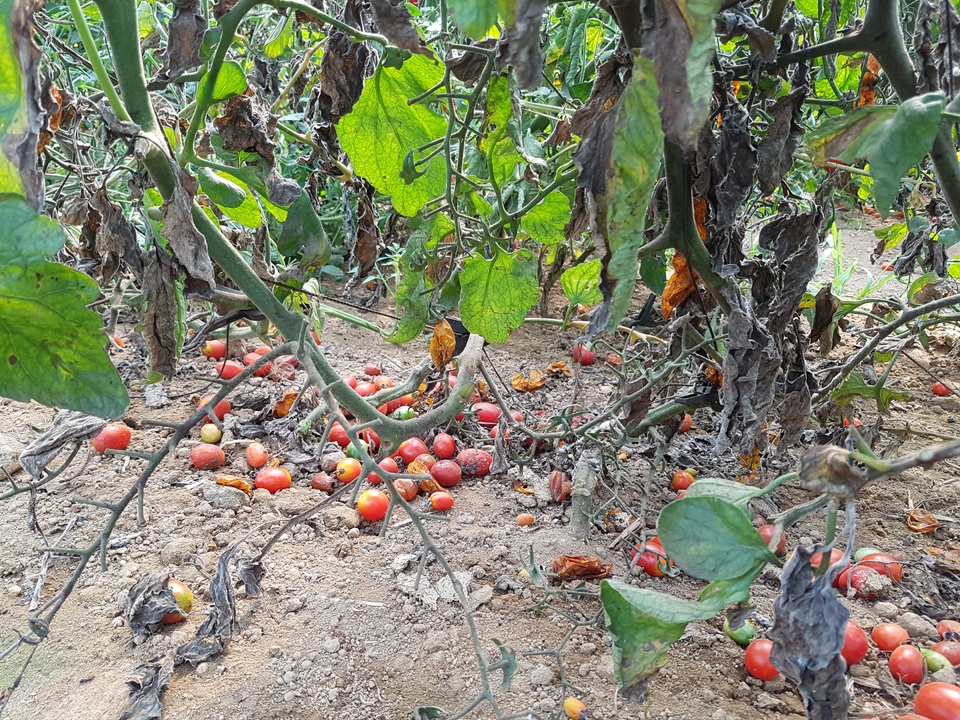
(679, 285)
(559, 368)
(248, 125)
(948, 558)
(868, 94)
(442, 344)
(185, 36)
(922, 521)
(560, 486)
(580, 567)
(521, 383)
(159, 319)
(234, 482)
(188, 244)
(282, 407)
(397, 26)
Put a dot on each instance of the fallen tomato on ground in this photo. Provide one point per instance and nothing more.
(372, 505)
(184, 597)
(207, 457)
(114, 436)
(273, 479)
(215, 349)
(757, 660)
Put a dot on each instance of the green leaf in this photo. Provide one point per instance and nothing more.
(499, 145)
(930, 278)
(581, 283)
(892, 236)
(282, 39)
(507, 662)
(477, 17)
(948, 237)
(545, 221)
(733, 492)
(246, 213)
(303, 235)
(699, 15)
(891, 139)
(13, 108)
(637, 148)
(230, 81)
(856, 386)
(710, 538)
(383, 128)
(51, 345)
(220, 189)
(414, 287)
(496, 294)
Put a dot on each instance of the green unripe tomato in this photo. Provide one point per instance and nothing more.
(742, 635)
(934, 660)
(404, 413)
(352, 451)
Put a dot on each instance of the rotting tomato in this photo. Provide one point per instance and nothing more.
(372, 505)
(948, 630)
(757, 660)
(406, 488)
(883, 564)
(949, 649)
(474, 463)
(441, 500)
(113, 436)
(862, 580)
(228, 369)
(387, 464)
(348, 470)
(444, 446)
(767, 532)
(653, 560)
(855, 644)
(206, 456)
(371, 369)
(889, 636)
(321, 481)
(742, 635)
(184, 597)
(907, 664)
(215, 349)
(273, 479)
(447, 473)
(583, 355)
(410, 448)
(681, 480)
(938, 701)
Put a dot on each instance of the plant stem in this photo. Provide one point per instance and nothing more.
(93, 54)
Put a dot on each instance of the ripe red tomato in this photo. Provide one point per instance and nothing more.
(350, 380)
(216, 349)
(388, 464)
(855, 644)
(886, 267)
(365, 389)
(949, 649)
(687, 423)
(949, 629)
(488, 414)
(252, 357)
(220, 409)
(474, 463)
(907, 664)
(584, 355)
(444, 446)
(889, 636)
(858, 577)
(653, 560)
(407, 488)
(441, 500)
(273, 479)
(835, 556)
(370, 437)
(766, 532)
(938, 701)
(409, 449)
(184, 597)
(114, 436)
(757, 660)
(339, 435)
(262, 350)
(940, 389)
(371, 369)
(681, 480)
(372, 505)
(425, 459)
(883, 564)
(228, 369)
(348, 470)
(206, 456)
(446, 472)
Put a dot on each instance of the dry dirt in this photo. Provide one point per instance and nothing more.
(334, 635)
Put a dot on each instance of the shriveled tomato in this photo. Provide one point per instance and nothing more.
(767, 531)
(228, 369)
(409, 449)
(474, 463)
(273, 479)
(488, 414)
(322, 482)
(855, 644)
(889, 636)
(446, 472)
(184, 597)
(206, 456)
(907, 664)
(883, 564)
(949, 649)
(348, 470)
(757, 660)
(215, 349)
(285, 367)
(114, 436)
(583, 355)
(365, 389)
(388, 464)
(653, 560)
(444, 446)
(441, 500)
(407, 488)
(949, 629)
(938, 701)
(372, 505)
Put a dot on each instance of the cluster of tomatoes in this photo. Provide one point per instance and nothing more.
(934, 700)
(283, 368)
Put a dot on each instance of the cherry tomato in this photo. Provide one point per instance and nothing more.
(184, 597)
(742, 635)
(907, 664)
(446, 472)
(403, 413)
(886, 267)
(388, 464)
(525, 519)
(382, 382)
(370, 437)
(938, 701)
(409, 449)
(372, 505)
(220, 409)
(686, 423)
(273, 479)
(114, 436)
(441, 500)
(574, 708)
(371, 369)
(353, 451)
(206, 456)
(474, 463)
(889, 636)
(488, 414)
(210, 433)
(757, 660)
(348, 470)
(350, 380)
(653, 560)
(257, 455)
(321, 481)
(228, 369)
(444, 446)
(584, 355)
(425, 459)
(855, 644)
(263, 370)
(262, 350)
(216, 349)
(949, 629)
(883, 564)
(767, 531)
(940, 389)
(949, 649)
(339, 435)
(681, 480)
(934, 661)
(407, 488)
(835, 556)
(365, 389)
(858, 577)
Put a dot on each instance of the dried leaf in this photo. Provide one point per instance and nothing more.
(185, 36)
(947, 558)
(21, 135)
(147, 602)
(394, 21)
(214, 633)
(115, 236)
(442, 344)
(52, 104)
(520, 43)
(560, 486)
(775, 153)
(922, 521)
(559, 368)
(871, 73)
(188, 244)
(580, 567)
(468, 66)
(367, 246)
(68, 426)
(521, 383)
(246, 124)
(160, 318)
(740, 22)
(146, 685)
(234, 482)
(521, 488)
(344, 66)
(282, 407)
(679, 286)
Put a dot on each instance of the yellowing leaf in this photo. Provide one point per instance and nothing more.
(442, 344)
(282, 407)
(536, 380)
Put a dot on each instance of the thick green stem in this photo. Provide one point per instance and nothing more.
(93, 55)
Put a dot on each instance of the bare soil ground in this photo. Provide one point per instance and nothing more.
(338, 631)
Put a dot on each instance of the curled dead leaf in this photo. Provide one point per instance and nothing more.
(559, 368)
(282, 406)
(922, 521)
(948, 558)
(235, 482)
(580, 567)
(442, 344)
(536, 380)
(560, 486)
(521, 488)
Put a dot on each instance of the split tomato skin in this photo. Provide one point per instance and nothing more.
(938, 701)
(907, 664)
(406, 488)
(757, 660)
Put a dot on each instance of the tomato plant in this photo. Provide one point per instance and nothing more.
(273, 479)
(889, 636)
(907, 664)
(757, 660)
(938, 701)
(372, 505)
(114, 436)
